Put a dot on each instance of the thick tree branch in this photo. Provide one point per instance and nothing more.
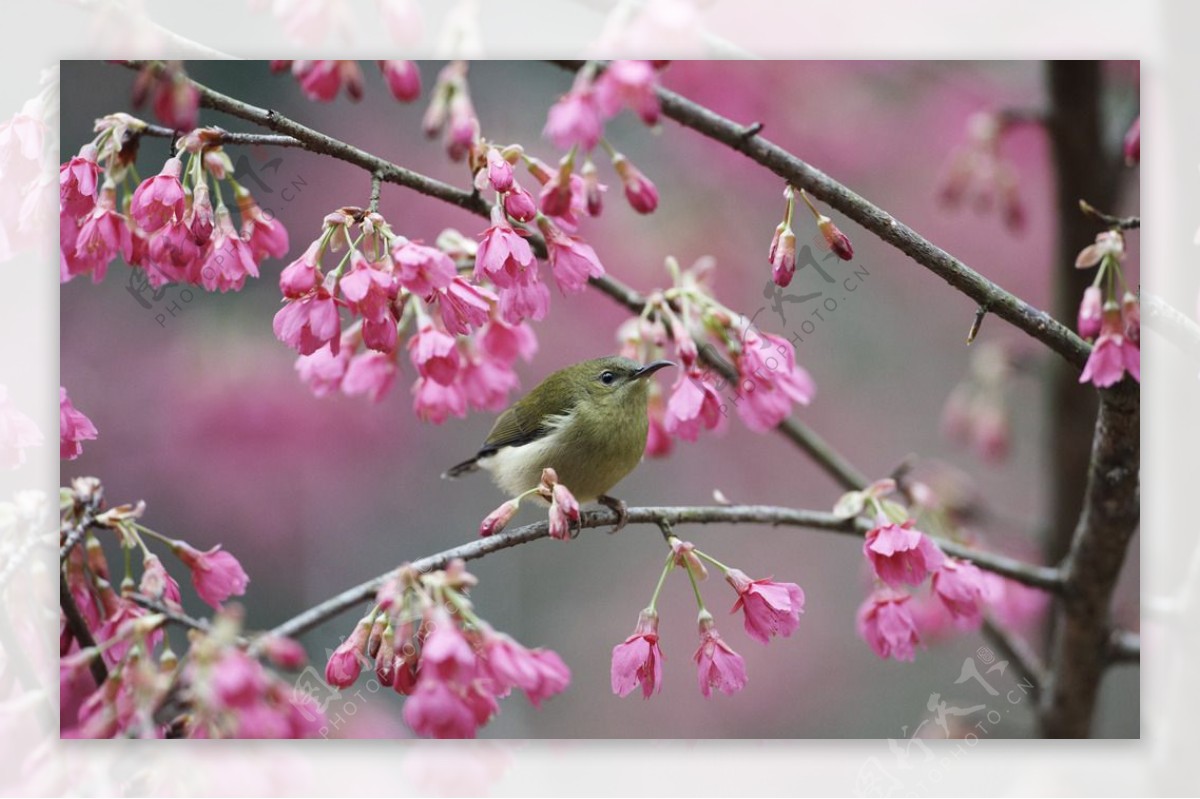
(1043, 577)
(1091, 569)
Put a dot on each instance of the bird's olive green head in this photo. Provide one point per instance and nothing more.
(614, 384)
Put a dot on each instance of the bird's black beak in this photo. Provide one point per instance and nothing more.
(651, 368)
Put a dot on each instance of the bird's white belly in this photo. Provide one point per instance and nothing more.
(518, 469)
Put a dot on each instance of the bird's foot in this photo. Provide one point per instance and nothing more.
(618, 507)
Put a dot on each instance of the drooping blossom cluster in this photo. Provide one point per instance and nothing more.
(976, 413)
(782, 253)
(564, 511)
(769, 382)
(401, 298)
(322, 81)
(1115, 325)
(900, 555)
(978, 174)
(769, 608)
(168, 225)
(28, 149)
(223, 691)
(424, 640)
(73, 428)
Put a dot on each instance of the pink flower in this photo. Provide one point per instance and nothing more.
(73, 428)
(321, 80)
(435, 354)
(172, 254)
(629, 83)
(308, 323)
(899, 554)
(421, 269)
(403, 79)
(157, 583)
(264, 235)
(369, 373)
(286, 653)
(959, 584)
(1133, 143)
(782, 255)
(1090, 312)
(519, 204)
(463, 128)
(103, 234)
(836, 239)
(770, 381)
(202, 220)
(1113, 354)
(346, 662)
(574, 120)
(694, 404)
(216, 574)
(300, 276)
(238, 681)
(78, 182)
(436, 711)
(718, 666)
(367, 290)
(593, 189)
(159, 199)
(564, 512)
(540, 673)
(176, 99)
(446, 654)
(18, 432)
(487, 383)
(503, 342)
(323, 370)
(638, 659)
(503, 255)
(571, 260)
(462, 306)
(639, 190)
(229, 261)
(770, 608)
(499, 172)
(498, 519)
(435, 402)
(529, 299)
(886, 623)
(658, 441)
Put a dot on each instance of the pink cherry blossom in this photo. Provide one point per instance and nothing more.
(308, 323)
(1090, 312)
(322, 371)
(229, 260)
(503, 255)
(540, 673)
(572, 261)
(103, 235)
(504, 343)
(435, 710)
(629, 83)
(286, 653)
(498, 519)
(370, 373)
(658, 441)
(564, 512)
(960, 585)
(73, 428)
(79, 182)
(886, 623)
(301, 275)
(346, 662)
(322, 80)
(447, 655)
(769, 607)
(421, 269)
(694, 404)
(899, 554)
(157, 583)
(717, 665)
(435, 354)
(462, 306)
(18, 432)
(782, 255)
(1132, 146)
(837, 241)
(216, 574)
(175, 99)
(499, 171)
(487, 382)
(638, 660)
(519, 204)
(366, 289)
(264, 234)
(201, 217)
(159, 199)
(639, 190)
(435, 402)
(574, 120)
(770, 381)
(403, 79)
(525, 300)
(172, 254)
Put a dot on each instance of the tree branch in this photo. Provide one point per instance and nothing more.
(1043, 577)
(79, 629)
(1017, 650)
(1091, 568)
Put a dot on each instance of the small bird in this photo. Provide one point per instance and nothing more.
(588, 422)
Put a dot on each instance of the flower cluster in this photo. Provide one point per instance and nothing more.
(73, 428)
(769, 608)
(563, 515)
(782, 254)
(223, 690)
(977, 172)
(1115, 325)
(899, 555)
(324, 80)
(400, 296)
(168, 224)
(681, 317)
(976, 411)
(425, 641)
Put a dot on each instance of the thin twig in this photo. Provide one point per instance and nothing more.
(1110, 221)
(79, 628)
(1042, 577)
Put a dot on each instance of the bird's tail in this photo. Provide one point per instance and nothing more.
(461, 469)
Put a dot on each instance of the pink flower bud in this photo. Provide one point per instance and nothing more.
(1133, 143)
(639, 190)
(564, 512)
(836, 239)
(783, 256)
(1089, 312)
(496, 521)
(403, 79)
(593, 188)
(217, 575)
(1131, 315)
(519, 204)
(345, 664)
(284, 652)
(301, 275)
(499, 171)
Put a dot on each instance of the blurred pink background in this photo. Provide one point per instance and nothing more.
(204, 418)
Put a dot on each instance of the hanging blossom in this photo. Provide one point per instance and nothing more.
(74, 428)
(425, 641)
(976, 412)
(1114, 323)
(899, 555)
(324, 80)
(564, 511)
(168, 225)
(28, 147)
(174, 98)
(221, 691)
(400, 296)
(769, 609)
(978, 174)
(451, 112)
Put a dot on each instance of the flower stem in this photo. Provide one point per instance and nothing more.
(662, 578)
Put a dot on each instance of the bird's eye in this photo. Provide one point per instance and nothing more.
(608, 378)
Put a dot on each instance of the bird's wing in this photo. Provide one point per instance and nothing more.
(516, 427)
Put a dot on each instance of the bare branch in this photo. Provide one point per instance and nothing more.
(1114, 222)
